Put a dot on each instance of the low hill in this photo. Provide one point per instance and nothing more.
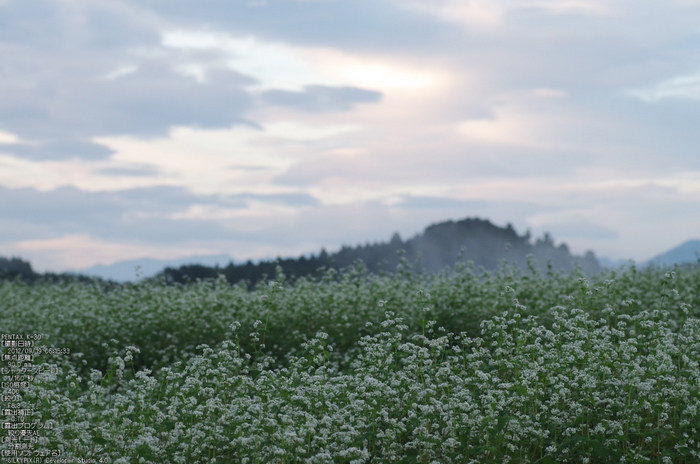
(439, 246)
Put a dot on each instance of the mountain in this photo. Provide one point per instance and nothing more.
(684, 253)
(124, 271)
(485, 244)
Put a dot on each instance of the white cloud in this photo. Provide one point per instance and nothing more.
(17, 173)
(517, 124)
(683, 87)
(291, 130)
(380, 72)
(681, 183)
(274, 65)
(121, 71)
(6, 137)
(476, 13)
(277, 65)
(226, 161)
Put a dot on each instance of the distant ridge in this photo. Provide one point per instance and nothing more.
(125, 271)
(683, 253)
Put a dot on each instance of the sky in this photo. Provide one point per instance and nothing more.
(263, 128)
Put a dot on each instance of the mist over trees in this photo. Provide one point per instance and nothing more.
(439, 246)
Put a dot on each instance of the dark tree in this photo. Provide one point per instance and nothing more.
(15, 267)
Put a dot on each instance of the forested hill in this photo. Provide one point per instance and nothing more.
(438, 246)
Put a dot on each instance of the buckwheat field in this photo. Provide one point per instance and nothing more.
(463, 366)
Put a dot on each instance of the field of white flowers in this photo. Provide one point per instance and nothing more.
(461, 367)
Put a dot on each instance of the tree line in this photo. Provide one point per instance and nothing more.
(486, 245)
(18, 269)
(439, 246)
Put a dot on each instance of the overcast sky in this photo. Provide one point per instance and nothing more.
(169, 128)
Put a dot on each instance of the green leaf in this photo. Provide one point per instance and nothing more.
(100, 440)
(144, 451)
(503, 421)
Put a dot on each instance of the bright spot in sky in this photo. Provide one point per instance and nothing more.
(273, 65)
(286, 67)
(6, 137)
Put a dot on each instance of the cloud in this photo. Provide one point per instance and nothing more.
(158, 214)
(130, 215)
(59, 26)
(318, 98)
(289, 199)
(428, 202)
(118, 68)
(145, 103)
(268, 65)
(682, 87)
(274, 66)
(491, 15)
(231, 161)
(57, 150)
(7, 138)
(18, 229)
(129, 172)
(357, 25)
(94, 69)
(377, 169)
(67, 209)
